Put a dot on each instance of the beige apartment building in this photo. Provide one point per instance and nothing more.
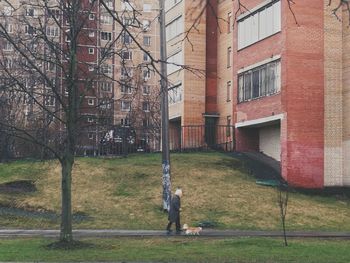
(200, 93)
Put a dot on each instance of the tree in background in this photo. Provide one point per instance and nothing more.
(58, 76)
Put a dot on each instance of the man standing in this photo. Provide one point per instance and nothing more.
(174, 212)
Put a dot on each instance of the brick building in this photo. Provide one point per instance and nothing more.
(290, 89)
(279, 75)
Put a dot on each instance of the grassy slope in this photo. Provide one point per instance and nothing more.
(126, 193)
(181, 250)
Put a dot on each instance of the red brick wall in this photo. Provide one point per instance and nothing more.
(301, 98)
(303, 94)
(211, 58)
(247, 140)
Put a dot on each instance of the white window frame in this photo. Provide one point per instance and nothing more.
(125, 89)
(146, 106)
(125, 105)
(259, 23)
(147, 41)
(174, 28)
(268, 82)
(126, 55)
(106, 86)
(146, 90)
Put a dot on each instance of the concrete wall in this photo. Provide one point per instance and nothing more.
(270, 141)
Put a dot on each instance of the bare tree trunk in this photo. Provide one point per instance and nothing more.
(283, 195)
(66, 184)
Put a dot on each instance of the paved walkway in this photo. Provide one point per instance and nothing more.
(80, 233)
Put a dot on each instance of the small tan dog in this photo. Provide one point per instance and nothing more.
(191, 230)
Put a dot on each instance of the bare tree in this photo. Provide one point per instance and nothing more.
(48, 79)
(282, 201)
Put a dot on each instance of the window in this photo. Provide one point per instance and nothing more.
(146, 74)
(127, 6)
(30, 12)
(174, 62)
(146, 122)
(147, 41)
(126, 38)
(7, 46)
(52, 31)
(174, 28)
(147, 7)
(127, 21)
(146, 57)
(146, 90)
(126, 89)
(91, 68)
(125, 105)
(9, 28)
(146, 25)
(106, 69)
(175, 93)
(259, 82)
(106, 19)
(259, 24)
(90, 119)
(91, 50)
(228, 88)
(91, 33)
(125, 122)
(106, 36)
(106, 86)
(8, 11)
(54, 13)
(50, 66)
(229, 22)
(29, 30)
(145, 106)
(91, 102)
(91, 135)
(126, 72)
(229, 54)
(105, 104)
(127, 55)
(109, 3)
(49, 100)
(8, 62)
(170, 4)
(91, 16)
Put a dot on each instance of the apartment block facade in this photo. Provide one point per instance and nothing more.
(290, 88)
(279, 74)
(115, 48)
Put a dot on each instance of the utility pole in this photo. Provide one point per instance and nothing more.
(164, 111)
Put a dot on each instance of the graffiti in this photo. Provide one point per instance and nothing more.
(166, 185)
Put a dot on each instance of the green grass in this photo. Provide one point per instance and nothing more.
(189, 249)
(125, 193)
(20, 170)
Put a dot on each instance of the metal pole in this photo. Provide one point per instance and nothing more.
(164, 111)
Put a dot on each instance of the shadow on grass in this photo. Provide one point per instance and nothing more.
(339, 193)
(38, 213)
(74, 245)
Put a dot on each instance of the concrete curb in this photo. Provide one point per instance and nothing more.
(85, 233)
